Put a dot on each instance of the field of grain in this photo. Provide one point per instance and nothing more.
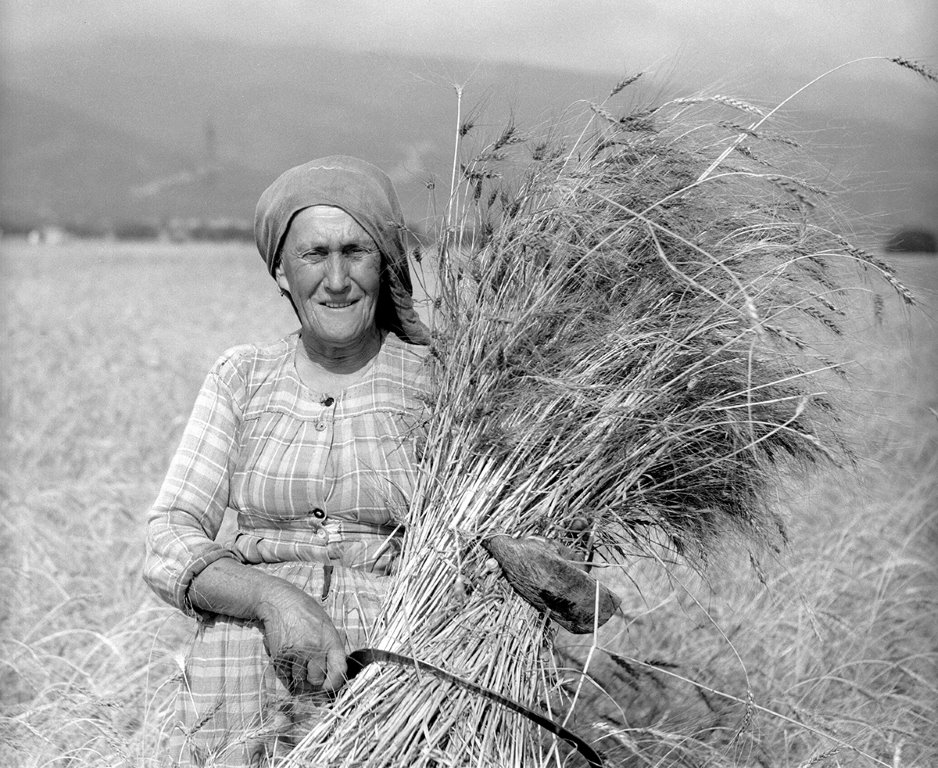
(828, 656)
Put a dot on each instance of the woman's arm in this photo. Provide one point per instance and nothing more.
(188, 569)
(191, 504)
(303, 643)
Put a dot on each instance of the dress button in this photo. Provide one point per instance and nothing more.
(318, 513)
(320, 426)
(328, 401)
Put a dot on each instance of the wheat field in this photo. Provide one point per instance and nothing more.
(828, 656)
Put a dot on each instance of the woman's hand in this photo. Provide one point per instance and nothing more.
(303, 643)
(305, 647)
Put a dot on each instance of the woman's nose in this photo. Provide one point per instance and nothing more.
(336, 272)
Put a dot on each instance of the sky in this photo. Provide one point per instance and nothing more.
(741, 40)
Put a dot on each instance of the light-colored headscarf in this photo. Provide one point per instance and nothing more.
(365, 193)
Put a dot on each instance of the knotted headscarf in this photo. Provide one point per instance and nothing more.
(366, 194)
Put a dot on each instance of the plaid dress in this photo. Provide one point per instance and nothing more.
(318, 481)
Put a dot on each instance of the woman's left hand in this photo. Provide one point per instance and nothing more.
(305, 647)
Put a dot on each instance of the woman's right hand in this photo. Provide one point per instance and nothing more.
(305, 647)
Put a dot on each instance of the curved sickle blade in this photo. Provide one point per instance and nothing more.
(358, 660)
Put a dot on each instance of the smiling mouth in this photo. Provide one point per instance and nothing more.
(338, 304)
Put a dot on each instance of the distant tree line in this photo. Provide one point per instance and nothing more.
(172, 230)
(182, 230)
(909, 240)
(177, 230)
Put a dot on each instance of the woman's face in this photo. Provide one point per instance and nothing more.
(331, 268)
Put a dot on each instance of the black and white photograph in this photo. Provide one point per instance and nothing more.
(434, 384)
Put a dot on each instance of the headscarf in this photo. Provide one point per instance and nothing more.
(365, 193)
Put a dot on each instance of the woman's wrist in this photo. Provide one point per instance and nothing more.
(230, 588)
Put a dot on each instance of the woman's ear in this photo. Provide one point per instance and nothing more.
(281, 278)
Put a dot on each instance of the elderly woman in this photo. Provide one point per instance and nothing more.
(311, 441)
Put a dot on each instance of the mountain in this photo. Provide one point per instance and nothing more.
(269, 108)
(59, 165)
(184, 127)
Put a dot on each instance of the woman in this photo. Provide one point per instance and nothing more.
(311, 440)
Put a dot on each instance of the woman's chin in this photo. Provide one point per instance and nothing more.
(340, 333)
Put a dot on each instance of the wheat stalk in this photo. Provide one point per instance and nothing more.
(623, 343)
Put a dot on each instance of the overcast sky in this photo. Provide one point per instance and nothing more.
(739, 41)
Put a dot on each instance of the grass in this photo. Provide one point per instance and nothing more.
(824, 655)
(104, 347)
(832, 658)
(641, 335)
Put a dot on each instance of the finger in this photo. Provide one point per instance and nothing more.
(285, 667)
(336, 669)
(291, 669)
(299, 677)
(315, 672)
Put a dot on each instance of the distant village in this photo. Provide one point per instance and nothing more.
(175, 230)
(186, 230)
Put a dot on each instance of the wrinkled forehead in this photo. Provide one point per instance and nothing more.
(325, 225)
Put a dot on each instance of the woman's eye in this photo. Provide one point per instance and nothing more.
(356, 252)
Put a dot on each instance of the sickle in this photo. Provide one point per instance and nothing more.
(358, 660)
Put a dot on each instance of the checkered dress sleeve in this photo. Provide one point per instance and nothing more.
(192, 501)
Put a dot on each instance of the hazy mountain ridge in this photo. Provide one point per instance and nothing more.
(130, 128)
(58, 165)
